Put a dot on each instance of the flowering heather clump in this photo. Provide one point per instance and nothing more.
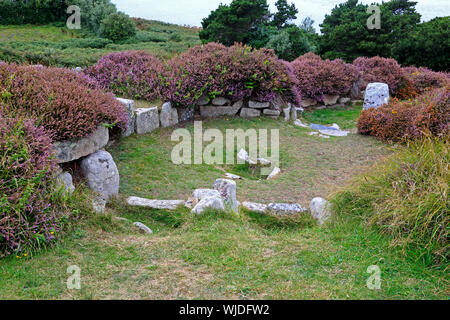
(379, 69)
(130, 74)
(409, 120)
(235, 72)
(28, 216)
(317, 77)
(67, 104)
(424, 79)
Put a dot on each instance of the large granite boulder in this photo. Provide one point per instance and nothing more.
(329, 100)
(200, 194)
(168, 115)
(67, 151)
(227, 189)
(376, 95)
(213, 203)
(220, 101)
(147, 120)
(101, 173)
(283, 209)
(129, 104)
(308, 102)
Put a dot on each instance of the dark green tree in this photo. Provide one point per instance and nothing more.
(428, 46)
(346, 35)
(290, 43)
(285, 14)
(235, 22)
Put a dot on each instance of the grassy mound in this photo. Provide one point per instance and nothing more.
(406, 198)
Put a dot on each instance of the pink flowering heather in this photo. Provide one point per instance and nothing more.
(424, 79)
(68, 104)
(377, 69)
(129, 74)
(317, 77)
(236, 72)
(29, 217)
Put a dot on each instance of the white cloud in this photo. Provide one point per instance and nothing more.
(192, 12)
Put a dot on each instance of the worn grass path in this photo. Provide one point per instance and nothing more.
(224, 256)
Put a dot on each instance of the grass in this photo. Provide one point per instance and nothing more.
(346, 116)
(59, 46)
(406, 198)
(221, 255)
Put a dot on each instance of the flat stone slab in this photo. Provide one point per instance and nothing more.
(216, 111)
(334, 133)
(299, 123)
(258, 105)
(67, 151)
(250, 113)
(285, 208)
(271, 112)
(155, 204)
(321, 127)
(255, 207)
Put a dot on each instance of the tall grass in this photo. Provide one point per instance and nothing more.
(406, 197)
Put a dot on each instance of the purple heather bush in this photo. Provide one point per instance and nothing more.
(29, 216)
(129, 74)
(67, 104)
(317, 77)
(377, 69)
(237, 72)
(424, 79)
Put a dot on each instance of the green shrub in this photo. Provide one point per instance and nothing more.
(406, 198)
(118, 26)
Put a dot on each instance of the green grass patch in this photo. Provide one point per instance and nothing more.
(346, 117)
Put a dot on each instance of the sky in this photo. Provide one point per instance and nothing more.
(191, 12)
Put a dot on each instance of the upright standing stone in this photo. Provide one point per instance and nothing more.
(101, 173)
(376, 95)
(129, 104)
(64, 181)
(320, 210)
(287, 112)
(168, 115)
(147, 120)
(294, 114)
(227, 189)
